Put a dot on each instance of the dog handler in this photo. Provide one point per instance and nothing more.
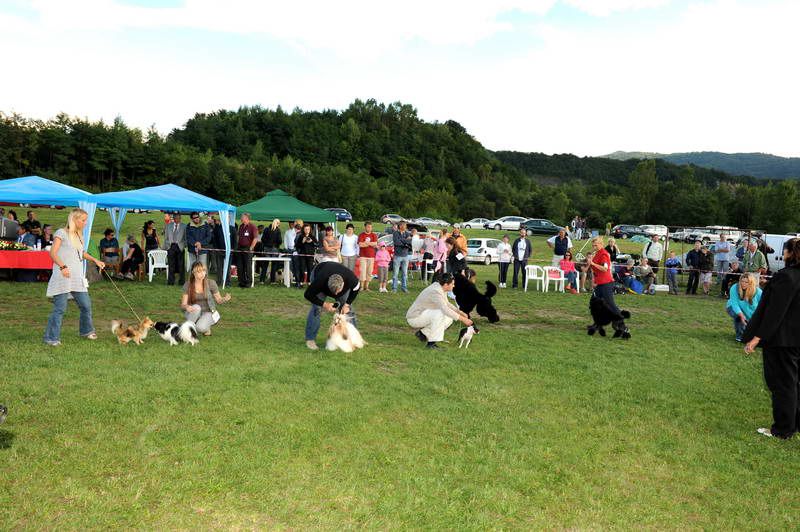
(68, 281)
(329, 279)
(431, 314)
(600, 263)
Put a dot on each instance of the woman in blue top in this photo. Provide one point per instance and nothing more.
(742, 303)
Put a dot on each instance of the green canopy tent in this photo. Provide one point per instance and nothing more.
(278, 204)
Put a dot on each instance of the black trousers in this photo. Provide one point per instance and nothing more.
(691, 284)
(503, 271)
(244, 261)
(781, 372)
(606, 293)
(272, 266)
(129, 266)
(519, 266)
(176, 264)
(219, 264)
(654, 264)
(305, 267)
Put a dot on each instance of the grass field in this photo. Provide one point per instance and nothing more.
(537, 425)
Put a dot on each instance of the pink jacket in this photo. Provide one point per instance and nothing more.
(440, 253)
(382, 258)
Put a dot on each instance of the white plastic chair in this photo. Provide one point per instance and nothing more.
(156, 258)
(535, 273)
(428, 270)
(556, 276)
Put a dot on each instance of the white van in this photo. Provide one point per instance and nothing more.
(775, 259)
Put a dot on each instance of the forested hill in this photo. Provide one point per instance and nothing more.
(763, 165)
(372, 158)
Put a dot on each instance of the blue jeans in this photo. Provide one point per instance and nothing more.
(738, 325)
(53, 331)
(571, 279)
(400, 264)
(313, 321)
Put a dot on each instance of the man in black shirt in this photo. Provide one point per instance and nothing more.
(334, 280)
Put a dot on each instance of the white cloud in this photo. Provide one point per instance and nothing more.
(604, 8)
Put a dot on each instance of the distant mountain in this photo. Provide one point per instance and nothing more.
(761, 165)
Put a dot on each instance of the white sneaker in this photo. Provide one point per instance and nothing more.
(311, 344)
(765, 432)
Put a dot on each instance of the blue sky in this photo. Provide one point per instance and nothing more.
(556, 76)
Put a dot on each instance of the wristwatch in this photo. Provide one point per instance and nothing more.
(62, 267)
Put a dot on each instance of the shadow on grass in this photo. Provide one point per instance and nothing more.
(6, 439)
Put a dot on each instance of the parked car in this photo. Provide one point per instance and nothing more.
(711, 234)
(391, 218)
(682, 235)
(625, 231)
(342, 215)
(508, 223)
(474, 223)
(424, 220)
(540, 226)
(650, 230)
(482, 250)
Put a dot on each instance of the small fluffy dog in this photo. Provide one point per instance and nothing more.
(602, 316)
(175, 334)
(131, 333)
(343, 335)
(465, 336)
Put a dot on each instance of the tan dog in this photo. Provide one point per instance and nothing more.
(134, 333)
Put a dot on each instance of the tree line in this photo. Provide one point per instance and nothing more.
(373, 158)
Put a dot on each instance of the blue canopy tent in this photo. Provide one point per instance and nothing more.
(35, 190)
(167, 197)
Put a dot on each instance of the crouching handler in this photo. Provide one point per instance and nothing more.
(329, 279)
(431, 314)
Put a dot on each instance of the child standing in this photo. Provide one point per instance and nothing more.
(672, 264)
(382, 260)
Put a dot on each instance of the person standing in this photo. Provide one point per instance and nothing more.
(521, 249)
(306, 246)
(348, 243)
(672, 263)
(693, 259)
(246, 239)
(456, 261)
(428, 250)
(460, 241)
(722, 251)
(329, 279)
(773, 327)
(271, 241)
(175, 244)
(653, 252)
(754, 261)
(431, 313)
(289, 238)
(367, 246)
(560, 244)
(600, 264)
(198, 239)
(402, 254)
(440, 253)
(504, 255)
(67, 280)
(706, 268)
(613, 250)
(330, 246)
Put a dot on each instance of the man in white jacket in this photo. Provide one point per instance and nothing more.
(431, 314)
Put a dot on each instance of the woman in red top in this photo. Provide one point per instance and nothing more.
(600, 263)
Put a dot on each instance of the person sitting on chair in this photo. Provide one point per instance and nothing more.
(109, 247)
(133, 259)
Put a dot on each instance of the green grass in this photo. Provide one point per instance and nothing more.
(537, 425)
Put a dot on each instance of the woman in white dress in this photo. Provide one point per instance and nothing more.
(68, 281)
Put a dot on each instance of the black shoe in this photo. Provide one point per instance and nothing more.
(422, 337)
(432, 345)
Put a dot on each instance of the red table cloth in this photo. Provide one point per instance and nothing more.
(26, 260)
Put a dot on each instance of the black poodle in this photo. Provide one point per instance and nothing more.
(469, 298)
(603, 315)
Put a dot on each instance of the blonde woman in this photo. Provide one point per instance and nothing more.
(200, 299)
(742, 302)
(67, 280)
(271, 241)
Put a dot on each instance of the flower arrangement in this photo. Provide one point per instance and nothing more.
(5, 245)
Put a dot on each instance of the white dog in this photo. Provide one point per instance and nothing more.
(465, 335)
(343, 335)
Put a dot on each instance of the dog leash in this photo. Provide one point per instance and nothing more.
(125, 299)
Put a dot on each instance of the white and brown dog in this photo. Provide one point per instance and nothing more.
(343, 335)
